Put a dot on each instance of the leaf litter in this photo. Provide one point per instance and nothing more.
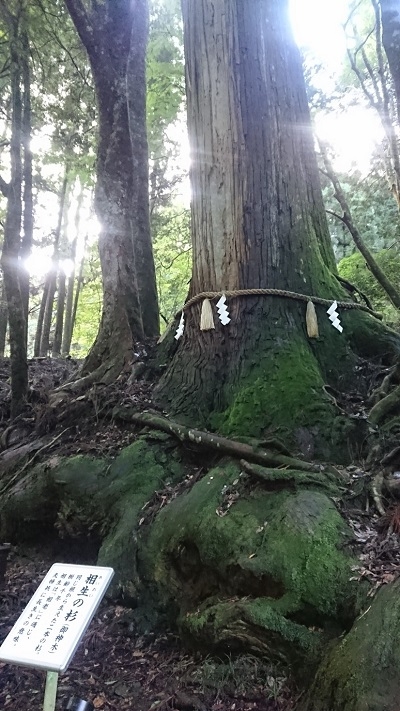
(117, 668)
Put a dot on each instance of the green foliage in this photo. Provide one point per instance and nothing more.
(165, 71)
(373, 209)
(355, 270)
(165, 96)
(173, 259)
(89, 307)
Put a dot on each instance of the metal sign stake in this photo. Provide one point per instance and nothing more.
(50, 692)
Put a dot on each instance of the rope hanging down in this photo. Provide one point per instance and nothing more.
(277, 292)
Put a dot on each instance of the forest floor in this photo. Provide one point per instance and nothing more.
(116, 667)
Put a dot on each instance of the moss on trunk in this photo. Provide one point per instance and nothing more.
(362, 672)
(241, 380)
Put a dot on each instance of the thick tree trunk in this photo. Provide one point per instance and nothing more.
(140, 209)
(258, 221)
(115, 38)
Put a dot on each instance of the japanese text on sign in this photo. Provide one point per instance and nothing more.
(50, 628)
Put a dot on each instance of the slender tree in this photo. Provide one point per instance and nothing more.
(51, 279)
(11, 246)
(27, 218)
(346, 218)
(68, 320)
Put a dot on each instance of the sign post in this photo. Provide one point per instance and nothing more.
(53, 623)
(50, 691)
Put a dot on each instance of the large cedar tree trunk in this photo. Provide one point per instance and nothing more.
(115, 37)
(258, 221)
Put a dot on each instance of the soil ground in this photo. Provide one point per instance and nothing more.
(116, 667)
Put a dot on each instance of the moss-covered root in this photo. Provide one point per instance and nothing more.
(254, 626)
(77, 496)
(230, 538)
(135, 475)
(362, 672)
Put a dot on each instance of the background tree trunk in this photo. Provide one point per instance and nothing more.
(347, 220)
(68, 321)
(391, 41)
(12, 229)
(39, 324)
(58, 331)
(27, 238)
(79, 283)
(52, 276)
(110, 32)
(3, 320)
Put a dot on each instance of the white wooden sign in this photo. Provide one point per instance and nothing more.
(50, 628)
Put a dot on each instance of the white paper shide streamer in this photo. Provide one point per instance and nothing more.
(181, 328)
(223, 311)
(334, 316)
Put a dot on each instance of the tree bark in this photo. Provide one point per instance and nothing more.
(68, 321)
(27, 238)
(52, 276)
(12, 228)
(258, 221)
(115, 37)
(391, 41)
(3, 320)
(39, 324)
(58, 331)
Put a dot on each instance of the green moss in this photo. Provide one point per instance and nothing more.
(261, 613)
(137, 472)
(369, 337)
(284, 390)
(362, 671)
(251, 624)
(81, 475)
(281, 545)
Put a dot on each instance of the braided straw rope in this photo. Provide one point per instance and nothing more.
(277, 292)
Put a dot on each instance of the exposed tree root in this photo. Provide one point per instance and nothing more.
(212, 441)
(10, 457)
(284, 478)
(376, 490)
(392, 377)
(106, 373)
(38, 450)
(385, 406)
